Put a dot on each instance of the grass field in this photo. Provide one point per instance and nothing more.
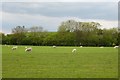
(60, 62)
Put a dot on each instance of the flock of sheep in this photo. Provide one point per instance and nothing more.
(28, 49)
(74, 50)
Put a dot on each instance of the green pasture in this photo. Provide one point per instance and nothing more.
(60, 62)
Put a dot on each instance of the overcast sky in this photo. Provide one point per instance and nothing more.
(49, 15)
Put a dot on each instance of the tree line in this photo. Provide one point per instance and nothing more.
(69, 33)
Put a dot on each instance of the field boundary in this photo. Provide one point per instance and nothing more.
(60, 79)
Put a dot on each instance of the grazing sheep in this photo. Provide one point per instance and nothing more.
(25, 46)
(101, 47)
(74, 50)
(14, 48)
(54, 46)
(116, 47)
(81, 46)
(28, 49)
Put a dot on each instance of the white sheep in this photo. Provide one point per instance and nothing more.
(74, 50)
(101, 47)
(81, 46)
(54, 46)
(116, 47)
(14, 47)
(28, 49)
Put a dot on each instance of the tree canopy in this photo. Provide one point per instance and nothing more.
(70, 33)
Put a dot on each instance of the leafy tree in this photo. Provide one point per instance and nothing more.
(37, 35)
(19, 34)
(1, 35)
(70, 33)
(68, 26)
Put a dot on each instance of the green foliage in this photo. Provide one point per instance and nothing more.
(70, 33)
(1, 34)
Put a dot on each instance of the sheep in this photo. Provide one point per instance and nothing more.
(14, 48)
(54, 46)
(81, 46)
(74, 50)
(28, 49)
(101, 47)
(116, 46)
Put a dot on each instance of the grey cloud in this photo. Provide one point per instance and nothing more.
(34, 11)
(86, 10)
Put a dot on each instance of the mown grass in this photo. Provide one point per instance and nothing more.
(60, 62)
